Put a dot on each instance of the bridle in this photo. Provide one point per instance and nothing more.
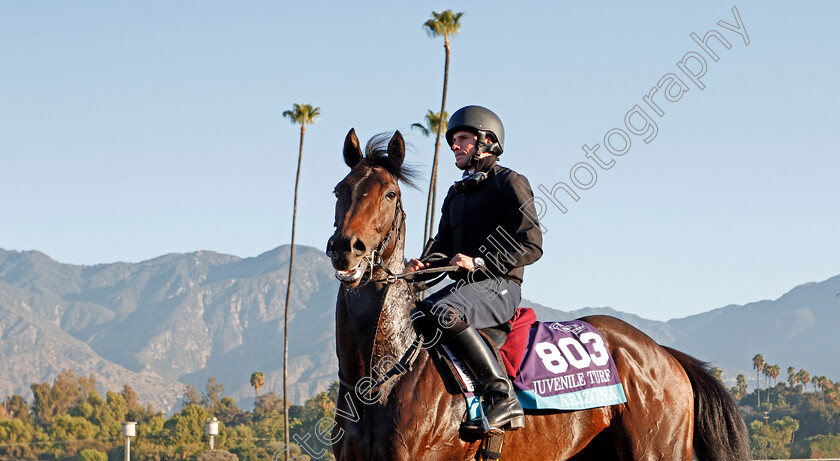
(375, 260)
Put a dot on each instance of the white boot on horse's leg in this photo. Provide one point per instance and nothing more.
(502, 410)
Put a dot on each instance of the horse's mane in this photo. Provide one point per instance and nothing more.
(376, 154)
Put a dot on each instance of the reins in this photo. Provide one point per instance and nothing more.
(375, 258)
(392, 278)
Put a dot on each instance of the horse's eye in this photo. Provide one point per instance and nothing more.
(391, 195)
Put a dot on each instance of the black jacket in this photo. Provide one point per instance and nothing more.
(496, 220)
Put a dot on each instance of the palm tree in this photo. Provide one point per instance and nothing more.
(717, 373)
(772, 372)
(791, 376)
(775, 371)
(766, 373)
(432, 121)
(303, 114)
(829, 389)
(819, 381)
(803, 377)
(741, 382)
(758, 364)
(444, 25)
(257, 381)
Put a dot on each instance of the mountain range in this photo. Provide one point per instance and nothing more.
(181, 318)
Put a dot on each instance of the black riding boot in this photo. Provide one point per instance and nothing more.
(502, 406)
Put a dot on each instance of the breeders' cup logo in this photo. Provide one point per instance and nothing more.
(573, 328)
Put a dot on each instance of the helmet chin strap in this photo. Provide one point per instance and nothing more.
(481, 146)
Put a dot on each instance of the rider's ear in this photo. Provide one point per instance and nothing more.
(396, 150)
(352, 150)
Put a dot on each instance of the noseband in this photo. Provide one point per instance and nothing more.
(375, 259)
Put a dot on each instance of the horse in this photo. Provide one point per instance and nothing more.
(674, 407)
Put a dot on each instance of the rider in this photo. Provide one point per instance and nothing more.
(489, 230)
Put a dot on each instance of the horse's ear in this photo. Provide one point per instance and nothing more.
(352, 150)
(396, 150)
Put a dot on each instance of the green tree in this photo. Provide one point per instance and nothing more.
(90, 454)
(717, 373)
(17, 408)
(130, 397)
(758, 364)
(190, 397)
(212, 393)
(769, 441)
(15, 438)
(823, 446)
(788, 425)
(185, 430)
(317, 418)
(64, 428)
(445, 24)
(267, 404)
(791, 376)
(228, 412)
(216, 455)
(151, 439)
(58, 398)
(302, 114)
(106, 415)
(257, 381)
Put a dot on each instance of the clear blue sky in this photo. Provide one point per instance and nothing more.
(133, 129)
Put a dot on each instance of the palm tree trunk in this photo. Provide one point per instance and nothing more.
(430, 205)
(286, 313)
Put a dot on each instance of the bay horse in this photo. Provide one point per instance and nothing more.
(674, 406)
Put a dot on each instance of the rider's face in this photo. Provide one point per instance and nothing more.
(463, 146)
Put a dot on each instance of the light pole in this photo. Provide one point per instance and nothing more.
(128, 432)
(212, 429)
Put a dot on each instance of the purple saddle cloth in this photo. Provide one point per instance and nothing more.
(567, 367)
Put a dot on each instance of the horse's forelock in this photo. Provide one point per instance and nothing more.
(376, 154)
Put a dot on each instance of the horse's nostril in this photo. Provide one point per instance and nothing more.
(358, 246)
(330, 246)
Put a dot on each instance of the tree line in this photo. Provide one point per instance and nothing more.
(69, 419)
(784, 419)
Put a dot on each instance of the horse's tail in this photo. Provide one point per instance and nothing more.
(719, 430)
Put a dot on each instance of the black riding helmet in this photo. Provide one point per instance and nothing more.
(478, 120)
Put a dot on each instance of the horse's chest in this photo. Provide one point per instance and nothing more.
(413, 423)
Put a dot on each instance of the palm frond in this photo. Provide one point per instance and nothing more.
(303, 114)
(422, 128)
(432, 121)
(444, 24)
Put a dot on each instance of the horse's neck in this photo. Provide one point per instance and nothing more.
(380, 319)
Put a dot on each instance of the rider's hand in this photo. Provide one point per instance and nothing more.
(463, 261)
(416, 265)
